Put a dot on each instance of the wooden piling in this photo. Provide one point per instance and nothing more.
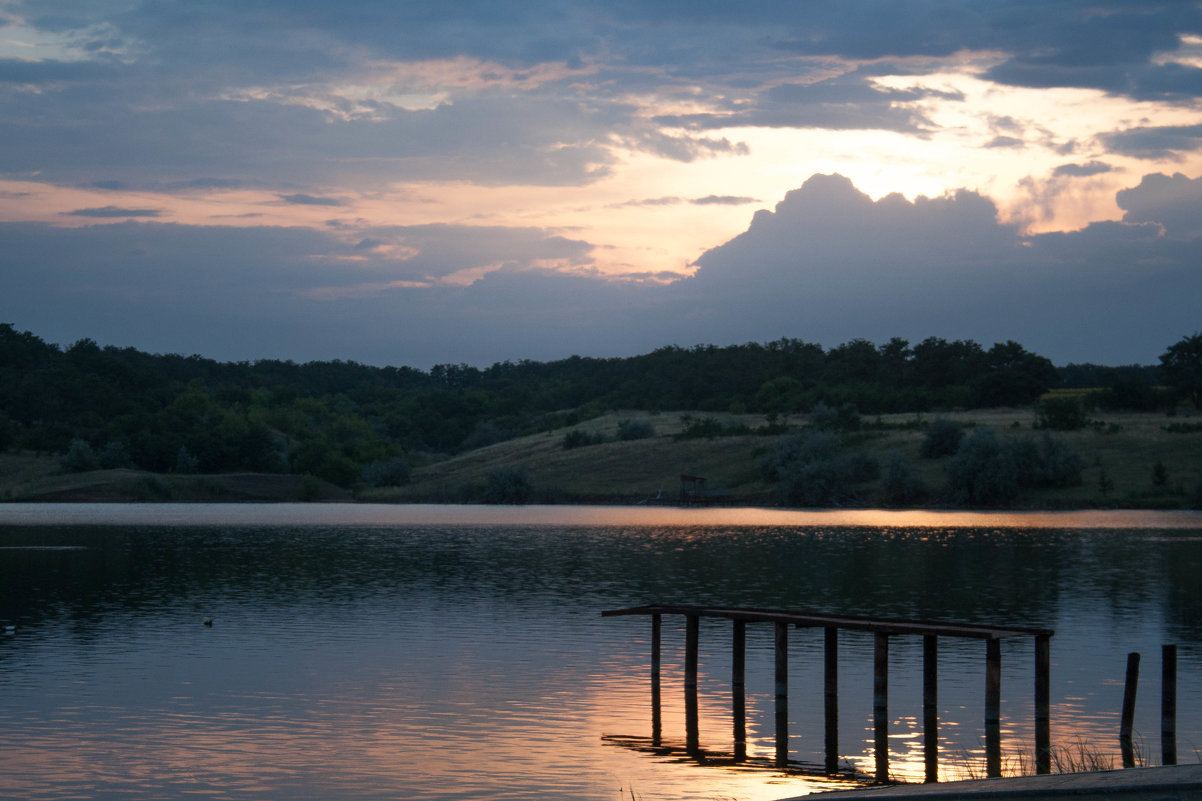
(993, 708)
(692, 627)
(656, 713)
(738, 690)
(1168, 704)
(930, 706)
(1127, 723)
(880, 705)
(831, 697)
(1043, 704)
(782, 695)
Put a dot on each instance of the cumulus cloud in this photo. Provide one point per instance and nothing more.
(827, 264)
(1175, 202)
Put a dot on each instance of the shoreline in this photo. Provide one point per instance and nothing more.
(177, 513)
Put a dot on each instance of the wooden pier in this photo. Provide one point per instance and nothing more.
(882, 629)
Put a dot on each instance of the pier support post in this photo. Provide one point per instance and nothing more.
(1127, 722)
(1043, 704)
(993, 708)
(692, 740)
(930, 706)
(831, 697)
(880, 705)
(738, 689)
(782, 695)
(657, 726)
(1168, 704)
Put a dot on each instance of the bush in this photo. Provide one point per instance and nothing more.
(485, 433)
(635, 429)
(579, 439)
(508, 485)
(79, 457)
(811, 469)
(113, 455)
(942, 438)
(989, 472)
(983, 472)
(185, 462)
(827, 418)
(1058, 465)
(903, 485)
(1065, 413)
(385, 473)
(708, 428)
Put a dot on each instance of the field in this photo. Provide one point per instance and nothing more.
(1120, 452)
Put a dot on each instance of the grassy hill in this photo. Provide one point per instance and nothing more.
(1119, 452)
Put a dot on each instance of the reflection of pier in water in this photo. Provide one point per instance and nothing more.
(690, 751)
(882, 629)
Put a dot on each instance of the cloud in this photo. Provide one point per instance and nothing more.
(1004, 141)
(112, 211)
(1154, 142)
(830, 264)
(1175, 202)
(1081, 170)
(827, 264)
(302, 199)
(722, 200)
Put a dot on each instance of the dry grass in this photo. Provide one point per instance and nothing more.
(1120, 455)
(1124, 447)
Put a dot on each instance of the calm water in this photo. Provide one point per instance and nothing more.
(367, 652)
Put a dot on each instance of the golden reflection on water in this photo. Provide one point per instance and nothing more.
(342, 514)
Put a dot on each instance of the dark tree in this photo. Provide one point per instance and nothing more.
(1181, 366)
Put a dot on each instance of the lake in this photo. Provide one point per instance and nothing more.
(432, 652)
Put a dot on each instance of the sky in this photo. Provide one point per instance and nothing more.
(402, 182)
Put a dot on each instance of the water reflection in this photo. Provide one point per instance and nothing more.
(440, 660)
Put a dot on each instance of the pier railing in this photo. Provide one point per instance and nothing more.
(882, 629)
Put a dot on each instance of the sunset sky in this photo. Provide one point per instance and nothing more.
(441, 182)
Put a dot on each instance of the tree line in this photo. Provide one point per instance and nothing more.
(353, 423)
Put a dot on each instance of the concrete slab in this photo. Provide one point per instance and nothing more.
(1172, 783)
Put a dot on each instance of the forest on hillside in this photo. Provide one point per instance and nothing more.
(355, 424)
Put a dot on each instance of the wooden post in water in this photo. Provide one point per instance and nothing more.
(831, 697)
(880, 704)
(1127, 724)
(1043, 704)
(692, 739)
(1168, 704)
(657, 726)
(930, 706)
(738, 689)
(993, 708)
(782, 695)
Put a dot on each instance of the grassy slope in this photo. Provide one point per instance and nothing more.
(634, 471)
